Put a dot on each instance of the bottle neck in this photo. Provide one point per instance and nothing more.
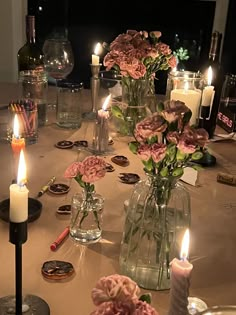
(214, 51)
(30, 28)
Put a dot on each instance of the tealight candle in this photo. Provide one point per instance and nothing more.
(19, 194)
(180, 280)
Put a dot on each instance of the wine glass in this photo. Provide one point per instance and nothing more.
(58, 59)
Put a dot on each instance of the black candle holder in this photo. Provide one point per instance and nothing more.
(15, 304)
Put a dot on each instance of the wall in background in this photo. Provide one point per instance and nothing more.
(12, 35)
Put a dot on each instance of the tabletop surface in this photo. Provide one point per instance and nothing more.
(213, 233)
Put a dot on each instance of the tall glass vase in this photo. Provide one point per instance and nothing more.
(157, 217)
(134, 99)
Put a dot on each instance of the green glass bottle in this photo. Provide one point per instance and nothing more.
(30, 55)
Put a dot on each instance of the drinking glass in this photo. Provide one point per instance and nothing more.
(58, 59)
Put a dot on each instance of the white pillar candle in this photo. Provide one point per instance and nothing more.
(95, 56)
(191, 98)
(19, 195)
(180, 281)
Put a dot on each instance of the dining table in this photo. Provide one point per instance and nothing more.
(212, 231)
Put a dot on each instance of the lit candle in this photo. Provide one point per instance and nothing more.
(17, 142)
(180, 280)
(101, 137)
(207, 96)
(103, 112)
(95, 57)
(190, 97)
(19, 194)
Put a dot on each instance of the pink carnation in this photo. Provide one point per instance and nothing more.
(115, 288)
(158, 152)
(144, 152)
(115, 308)
(73, 170)
(94, 168)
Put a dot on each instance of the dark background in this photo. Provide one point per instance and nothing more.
(182, 23)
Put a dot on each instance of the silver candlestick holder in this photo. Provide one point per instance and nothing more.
(94, 85)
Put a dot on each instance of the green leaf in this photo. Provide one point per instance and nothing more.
(197, 167)
(164, 172)
(178, 172)
(180, 156)
(197, 156)
(148, 165)
(117, 112)
(133, 146)
(146, 298)
(160, 106)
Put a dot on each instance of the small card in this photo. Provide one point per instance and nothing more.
(190, 176)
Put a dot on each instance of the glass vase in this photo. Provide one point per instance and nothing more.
(134, 100)
(158, 214)
(86, 217)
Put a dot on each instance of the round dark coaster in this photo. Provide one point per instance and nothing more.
(64, 144)
(57, 269)
(65, 209)
(81, 143)
(34, 209)
(129, 178)
(109, 167)
(31, 304)
(120, 160)
(59, 189)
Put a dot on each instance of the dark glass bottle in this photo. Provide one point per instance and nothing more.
(30, 56)
(208, 113)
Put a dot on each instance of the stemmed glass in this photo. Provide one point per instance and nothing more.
(58, 59)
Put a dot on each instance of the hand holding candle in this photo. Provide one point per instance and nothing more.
(19, 194)
(180, 280)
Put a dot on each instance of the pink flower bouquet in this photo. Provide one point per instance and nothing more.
(165, 141)
(117, 294)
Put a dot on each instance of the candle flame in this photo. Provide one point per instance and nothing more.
(16, 127)
(21, 176)
(97, 49)
(106, 102)
(186, 86)
(209, 75)
(185, 246)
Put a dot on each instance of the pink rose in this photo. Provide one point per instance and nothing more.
(94, 168)
(115, 288)
(158, 152)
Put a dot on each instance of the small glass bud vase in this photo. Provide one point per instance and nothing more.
(86, 217)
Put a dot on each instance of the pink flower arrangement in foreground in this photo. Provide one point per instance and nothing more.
(137, 54)
(165, 141)
(118, 295)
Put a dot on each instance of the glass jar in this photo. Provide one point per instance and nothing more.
(187, 87)
(69, 105)
(158, 214)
